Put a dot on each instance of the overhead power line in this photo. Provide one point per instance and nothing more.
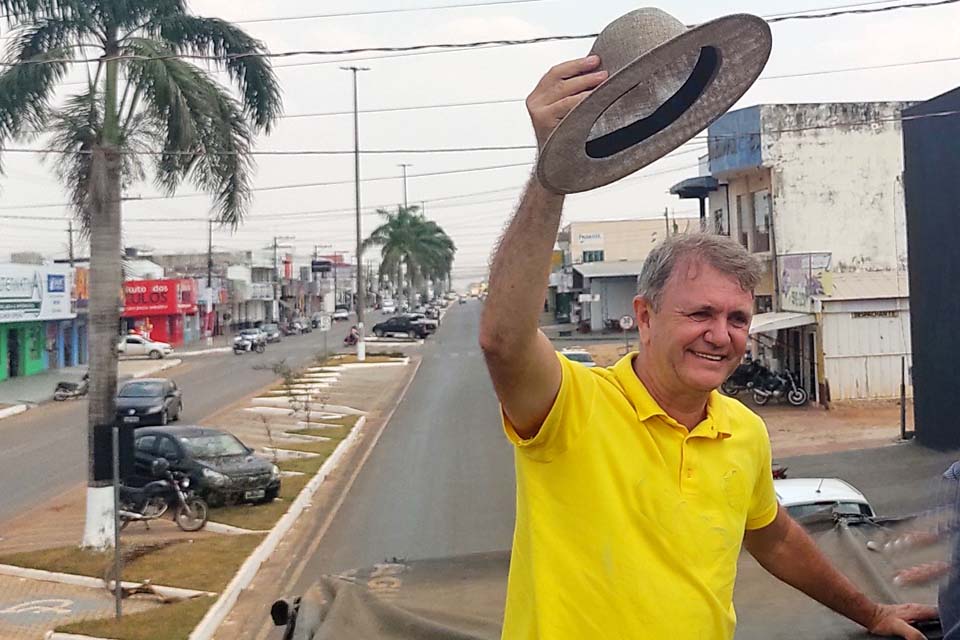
(353, 14)
(451, 45)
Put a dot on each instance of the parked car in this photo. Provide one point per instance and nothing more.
(431, 324)
(579, 355)
(272, 332)
(256, 336)
(462, 300)
(304, 326)
(136, 345)
(400, 326)
(433, 313)
(803, 497)
(388, 306)
(149, 401)
(342, 312)
(221, 468)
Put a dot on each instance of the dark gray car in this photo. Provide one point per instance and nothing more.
(221, 468)
(149, 401)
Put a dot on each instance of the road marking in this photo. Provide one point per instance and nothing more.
(58, 606)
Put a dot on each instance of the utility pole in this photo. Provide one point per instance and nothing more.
(210, 254)
(361, 294)
(666, 220)
(70, 242)
(404, 165)
(277, 281)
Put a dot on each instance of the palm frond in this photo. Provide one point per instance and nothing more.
(197, 116)
(212, 36)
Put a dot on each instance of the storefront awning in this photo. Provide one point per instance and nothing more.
(764, 322)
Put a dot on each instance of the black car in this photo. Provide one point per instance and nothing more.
(272, 332)
(400, 326)
(222, 469)
(149, 401)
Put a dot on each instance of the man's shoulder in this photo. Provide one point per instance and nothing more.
(739, 414)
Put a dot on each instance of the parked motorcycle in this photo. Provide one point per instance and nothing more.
(744, 378)
(171, 490)
(780, 385)
(69, 390)
(243, 345)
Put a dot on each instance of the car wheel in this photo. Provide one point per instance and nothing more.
(378, 333)
(412, 335)
(155, 355)
(164, 418)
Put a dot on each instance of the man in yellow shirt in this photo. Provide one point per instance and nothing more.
(637, 485)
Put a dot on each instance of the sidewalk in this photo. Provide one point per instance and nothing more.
(36, 389)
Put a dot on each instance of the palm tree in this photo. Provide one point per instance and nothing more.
(412, 245)
(142, 99)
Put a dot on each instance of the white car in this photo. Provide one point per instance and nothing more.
(579, 355)
(341, 313)
(803, 497)
(389, 306)
(134, 345)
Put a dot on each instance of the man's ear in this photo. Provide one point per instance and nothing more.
(642, 315)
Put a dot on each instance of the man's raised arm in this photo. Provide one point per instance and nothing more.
(521, 360)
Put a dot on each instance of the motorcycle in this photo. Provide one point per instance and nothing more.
(780, 385)
(245, 345)
(744, 378)
(69, 390)
(171, 490)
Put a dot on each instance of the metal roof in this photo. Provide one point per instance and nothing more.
(866, 285)
(776, 320)
(609, 269)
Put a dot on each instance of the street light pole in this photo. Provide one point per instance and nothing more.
(404, 166)
(361, 293)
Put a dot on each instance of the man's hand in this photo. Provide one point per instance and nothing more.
(893, 620)
(559, 91)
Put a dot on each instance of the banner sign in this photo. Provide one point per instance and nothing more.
(35, 292)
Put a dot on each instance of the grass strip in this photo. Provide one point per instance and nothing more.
(260, 517)
(203, 564)
(167, 622)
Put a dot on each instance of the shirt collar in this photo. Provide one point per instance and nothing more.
(716, 424)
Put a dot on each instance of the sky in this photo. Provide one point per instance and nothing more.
(472, 206)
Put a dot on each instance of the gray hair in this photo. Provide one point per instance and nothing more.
(720, 252)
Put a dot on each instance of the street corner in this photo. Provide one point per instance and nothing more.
(29, 608)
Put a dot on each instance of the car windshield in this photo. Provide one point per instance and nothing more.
(269, 327)
(213, 446)
(579, 357)
(141, 390)
(842, 508)
(250, 332)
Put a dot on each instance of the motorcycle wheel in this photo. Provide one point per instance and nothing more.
(261, 348)
(729, 388)
(237, 352)
(59, 396)
(797, 397)
(760, 398)
(193, 516)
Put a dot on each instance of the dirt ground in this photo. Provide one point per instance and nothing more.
(811, 429)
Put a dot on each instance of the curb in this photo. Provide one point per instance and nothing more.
(94, 583)
(244, 576)
(14, 410)
(204, 352)
(54, 635)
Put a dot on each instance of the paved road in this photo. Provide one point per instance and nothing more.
(440, 481)
(43, 451)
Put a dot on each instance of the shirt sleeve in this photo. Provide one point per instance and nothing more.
(763, 502)
(568, 416)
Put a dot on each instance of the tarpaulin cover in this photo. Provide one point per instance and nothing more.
(462, 598)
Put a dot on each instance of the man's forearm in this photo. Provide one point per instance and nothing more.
(521, 269)
(797, 561)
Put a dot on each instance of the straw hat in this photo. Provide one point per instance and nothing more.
(666, 84)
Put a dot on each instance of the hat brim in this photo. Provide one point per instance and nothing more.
(743, 43)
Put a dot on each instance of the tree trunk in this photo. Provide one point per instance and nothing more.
(106, 282)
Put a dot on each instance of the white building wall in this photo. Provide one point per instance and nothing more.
(616, 300)
(838, 188)
(862, 355)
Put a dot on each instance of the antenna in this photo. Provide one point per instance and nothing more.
(820, 485)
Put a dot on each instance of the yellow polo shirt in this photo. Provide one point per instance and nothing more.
(628, 525)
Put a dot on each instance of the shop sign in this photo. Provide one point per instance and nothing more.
(150, 297)
(29, 292)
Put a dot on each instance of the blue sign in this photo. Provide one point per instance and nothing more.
(56, 283)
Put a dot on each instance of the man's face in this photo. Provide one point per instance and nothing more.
(699, 335)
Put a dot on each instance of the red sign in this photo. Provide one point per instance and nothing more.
(150, 297)
(189, 293)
